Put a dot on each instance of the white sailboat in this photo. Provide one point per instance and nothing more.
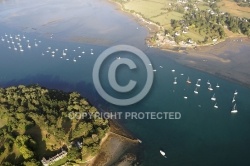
(188, 81)
(233, 99)
(210, 87)
(234, 110)
(217, 86)
(196, 91)
(197, 84)
(64, 54)
(74, 59)
(91, 51)
(213, 98)
(173, 70)
(175, 82)
(208, 82)
(163, 153)
(14, 47)
(185, 97)
(215, 106)
(236, 92)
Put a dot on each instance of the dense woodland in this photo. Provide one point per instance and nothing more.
(34, 123)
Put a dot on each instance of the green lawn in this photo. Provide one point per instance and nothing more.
(60, 162)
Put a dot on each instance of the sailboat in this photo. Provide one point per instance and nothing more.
(235, 93)
(163, 153)
(217, 86)
(63, 53)
(185, 97)
(197, 84)
(233, 99)
(208, 82)
(74, 59)
(196, 91)
(15, 48)
(215, 106)
(175, 82)
(213, 98)
(91, 51)
(234, 110)
(210, 87)
(188, 81)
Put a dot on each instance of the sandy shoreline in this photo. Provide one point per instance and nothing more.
(118, 147)
(229, 59)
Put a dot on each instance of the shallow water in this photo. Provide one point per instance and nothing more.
(203, 136)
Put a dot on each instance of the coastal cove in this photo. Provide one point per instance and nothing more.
(203, 135)
(219, 58)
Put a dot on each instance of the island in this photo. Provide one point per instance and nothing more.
(37, 127)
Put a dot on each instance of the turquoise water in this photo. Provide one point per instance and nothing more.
(203, 136)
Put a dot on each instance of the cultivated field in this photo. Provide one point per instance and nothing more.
(231, 7)
(155, 10)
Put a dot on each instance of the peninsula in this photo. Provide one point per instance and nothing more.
(37, 127)
(209, 35)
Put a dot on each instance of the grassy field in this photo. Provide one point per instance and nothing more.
(231, 7)
(155, 10)
(60, 162)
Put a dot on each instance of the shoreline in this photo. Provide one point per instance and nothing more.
(218, 61)
(116, 148)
